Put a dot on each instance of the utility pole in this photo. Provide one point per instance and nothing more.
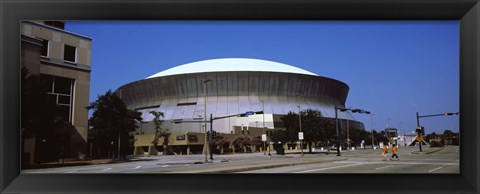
(263, 109)
(336, 128)
(418, 133)
(420, 129)
(300, 122)
(205, 118)
(371, 122)
(348, 135)
(211, 137)
(336, 121)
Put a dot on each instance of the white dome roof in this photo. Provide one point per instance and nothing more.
(231, 64)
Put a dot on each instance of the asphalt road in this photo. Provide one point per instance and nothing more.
(435, 160)
(369, 161)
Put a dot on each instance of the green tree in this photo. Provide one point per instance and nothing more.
(241, 142)
(313, 126)
(279, 136)
(38, 116)
(111, 122)
(159, 132)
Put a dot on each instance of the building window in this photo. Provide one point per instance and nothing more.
(61, 92)
(45, 48)
(69, 53)
(56, 24)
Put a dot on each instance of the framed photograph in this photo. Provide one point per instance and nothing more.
(228, 120)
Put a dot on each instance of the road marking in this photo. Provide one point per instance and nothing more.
(328, 168)
(107, 169)
(435, 169)
(71, 171)
(165, 165)
(384, 167)
(137, 167)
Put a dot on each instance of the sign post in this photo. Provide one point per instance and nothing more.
(300, 137)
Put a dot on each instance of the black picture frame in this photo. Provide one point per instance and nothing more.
(12, 12)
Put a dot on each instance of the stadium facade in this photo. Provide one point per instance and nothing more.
(235, 86)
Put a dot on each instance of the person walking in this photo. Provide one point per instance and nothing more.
(394, 151)
(384, 152)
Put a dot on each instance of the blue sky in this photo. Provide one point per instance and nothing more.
(393, 68)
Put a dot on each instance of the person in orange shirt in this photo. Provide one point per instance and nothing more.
(384, 152)
(394, 150)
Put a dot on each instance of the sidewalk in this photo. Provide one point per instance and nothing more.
(71, 162)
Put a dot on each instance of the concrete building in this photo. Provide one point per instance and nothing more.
(63, 58)
(231, 86)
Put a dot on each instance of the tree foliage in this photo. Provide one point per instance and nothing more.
(256, 141)
(221, 140)
(241, 141)
(37, 109)
(279, 136)
(110, 121)
(314, 127)
(159, 132)
(40, 119)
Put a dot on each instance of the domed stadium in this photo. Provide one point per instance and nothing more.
(233, 86)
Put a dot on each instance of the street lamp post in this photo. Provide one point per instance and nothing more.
(263, 120)
(211, 137)
(199, 124)
(205, 118)
(300, 122)
(348, 135)
(371, 123)
(336, 122)
(336, 128)
(206, 147)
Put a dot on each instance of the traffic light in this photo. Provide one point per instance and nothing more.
(451, 113)
(214, 134)
(420, 130)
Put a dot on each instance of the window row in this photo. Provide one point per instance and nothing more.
(69, 52)
(60, 90)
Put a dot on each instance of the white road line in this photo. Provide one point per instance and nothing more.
(328, 168)
(71, 171)
(137, 167)
(107, 169)
(435, 169)
(384, 167)
(165, 165)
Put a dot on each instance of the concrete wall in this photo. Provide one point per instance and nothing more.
(53, 64)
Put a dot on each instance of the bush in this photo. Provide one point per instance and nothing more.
(436, 144)
(241, 141)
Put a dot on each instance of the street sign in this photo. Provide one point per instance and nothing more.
(249, 113)
(419, 138)
(300, 135)
(264, 137)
